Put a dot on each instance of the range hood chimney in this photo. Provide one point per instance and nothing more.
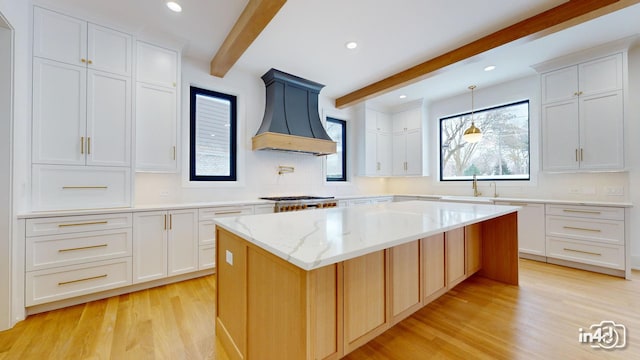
(291, 121)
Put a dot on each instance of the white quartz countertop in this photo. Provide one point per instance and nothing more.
(315, 238)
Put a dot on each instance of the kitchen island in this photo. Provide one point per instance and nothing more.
(318, 284)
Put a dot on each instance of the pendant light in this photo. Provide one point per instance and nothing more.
(472, 134)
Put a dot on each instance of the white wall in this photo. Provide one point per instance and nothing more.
(16, 13)
(257, 170)
(5, 176)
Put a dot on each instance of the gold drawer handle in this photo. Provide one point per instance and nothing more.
(228, 212)
(80, 280)
(582, 211)
(518, 204)
(85, 187)
(583, 252)
(83, 248)
(84, 223)
(583, 229)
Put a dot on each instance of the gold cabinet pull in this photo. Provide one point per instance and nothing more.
(84, 224)
(81, 144)
(227, 212)
(85, 187)
(80, 280)
(583, 252)
(89, 146)
(576, 154)
(170, 221)
(581, 154)
(83, 248)
(583, 229)
(174, 153)
(165, 222)
(89, 62)
(582, 211)
(83, 60)
(518, 204)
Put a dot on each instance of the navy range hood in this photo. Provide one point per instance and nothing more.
(291, 121)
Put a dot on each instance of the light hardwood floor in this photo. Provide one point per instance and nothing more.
(479, 319)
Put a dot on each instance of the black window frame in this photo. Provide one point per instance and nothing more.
(343, 125)
(233, 147)
(441, 165)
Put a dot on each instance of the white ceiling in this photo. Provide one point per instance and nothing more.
(306, 38)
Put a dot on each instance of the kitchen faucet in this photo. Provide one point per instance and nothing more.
(475, 186)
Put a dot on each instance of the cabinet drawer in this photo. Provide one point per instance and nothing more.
(45, 252)
(75, 224)
(591, 212)
(80, 187)
(65, 282)
(207, 257)
(610, 256)
(607, 231)
(214, 212)
(206, 232)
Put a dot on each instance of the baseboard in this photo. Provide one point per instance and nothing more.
(635, 262)
(593, 268)
(532, 257)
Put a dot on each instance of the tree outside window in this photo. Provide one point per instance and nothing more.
(503, 152)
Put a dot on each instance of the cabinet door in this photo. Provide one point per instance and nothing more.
(156, 120)
(156, 65)
(601, 75)
(59, 37)
(109, 50)
(384, 154)
(371, 162)
(365, 304)
(560, 85)
(433, 265)
(560, 141)
(601, 131)
(182, 246)
(149, 245)
(414, 119)
(59, 113)
(455, 257)
(399, 152)
(405, 280)
(108, 119)
(414, 152)
(383, 122)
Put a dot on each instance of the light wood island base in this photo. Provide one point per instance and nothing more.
(268, 308)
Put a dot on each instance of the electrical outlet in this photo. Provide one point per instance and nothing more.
(614, 190)
(229, 257)
(589, 190)
(574, 190)
(164, 194)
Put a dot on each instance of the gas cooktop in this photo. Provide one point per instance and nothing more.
(295, 198)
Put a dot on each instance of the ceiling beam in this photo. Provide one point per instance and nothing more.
(558, 18)
(254, 18)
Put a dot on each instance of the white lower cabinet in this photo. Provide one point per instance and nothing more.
(588, 235)
(70, 256)
(165, 244)
(207, 231)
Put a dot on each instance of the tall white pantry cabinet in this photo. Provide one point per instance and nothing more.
(81, 129)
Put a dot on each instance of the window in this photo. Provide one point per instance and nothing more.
(212, 153)
(503, 152)
(337, 163)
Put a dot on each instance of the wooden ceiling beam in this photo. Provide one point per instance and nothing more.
(558, 18)
(254, 18)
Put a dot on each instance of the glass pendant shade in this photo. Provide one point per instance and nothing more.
(472, 134)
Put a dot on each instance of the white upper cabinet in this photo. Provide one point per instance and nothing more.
(375, 153)
(73, 41)
(156, 108)
(583, 116)
(156, 65)
(407, 142)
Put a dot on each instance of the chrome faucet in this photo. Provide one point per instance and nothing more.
(475, 186)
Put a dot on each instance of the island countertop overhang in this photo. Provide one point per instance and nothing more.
(316, 238)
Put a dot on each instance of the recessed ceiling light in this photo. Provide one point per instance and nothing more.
(403, 96)
(174, 6)
(490, 67)
(351, 45)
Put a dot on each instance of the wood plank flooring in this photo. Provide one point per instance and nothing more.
(479, 319)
